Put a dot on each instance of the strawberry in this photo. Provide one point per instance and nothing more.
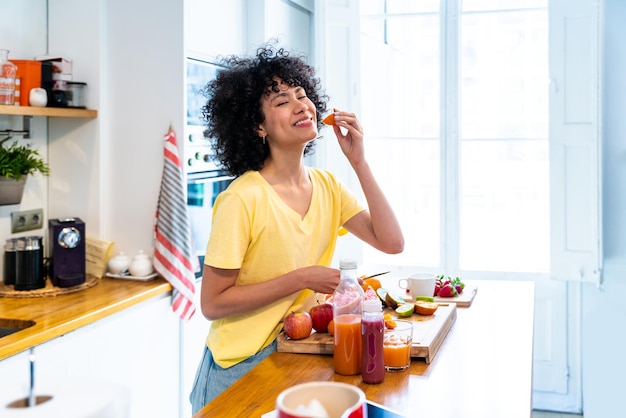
(447, 291)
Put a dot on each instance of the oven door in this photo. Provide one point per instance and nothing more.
(201, 195)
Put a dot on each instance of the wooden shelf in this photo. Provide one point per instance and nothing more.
(48, 111)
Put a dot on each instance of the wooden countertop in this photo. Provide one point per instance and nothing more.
(483, 369)
(57, 315)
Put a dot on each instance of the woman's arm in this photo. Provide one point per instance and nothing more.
(378, 226)
(220, 297)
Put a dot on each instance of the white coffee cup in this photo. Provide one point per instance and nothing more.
(419, 284)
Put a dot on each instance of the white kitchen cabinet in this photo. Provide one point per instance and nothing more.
(138, 348)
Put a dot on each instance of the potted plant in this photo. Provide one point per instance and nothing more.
(16, 163)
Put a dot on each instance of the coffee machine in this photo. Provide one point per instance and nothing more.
(67, 251)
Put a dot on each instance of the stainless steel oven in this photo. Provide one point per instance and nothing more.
(205, 179)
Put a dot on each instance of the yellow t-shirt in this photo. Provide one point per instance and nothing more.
(255, 231)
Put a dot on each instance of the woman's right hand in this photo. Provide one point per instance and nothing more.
(320, 279)
(221, 297)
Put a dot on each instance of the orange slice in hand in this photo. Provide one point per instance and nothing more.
(329, 120)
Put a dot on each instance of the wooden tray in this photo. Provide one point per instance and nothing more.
(429, 332)
(8, 290)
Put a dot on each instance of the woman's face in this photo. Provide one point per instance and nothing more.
(289, 116)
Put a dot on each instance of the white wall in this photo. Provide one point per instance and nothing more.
(25, 44)
(604, 312)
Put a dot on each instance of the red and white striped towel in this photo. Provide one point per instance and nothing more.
(173, 250)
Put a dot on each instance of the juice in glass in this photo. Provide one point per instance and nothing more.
(397, 346)
(347, 349)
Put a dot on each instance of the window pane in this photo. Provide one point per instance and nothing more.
(401, 117)
(504, 75)
(401, 76)
(408, 172)
(504, 206)
(482, 5)
(498, 163)
(378, 7)
(504, 180)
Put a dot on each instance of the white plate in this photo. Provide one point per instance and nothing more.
(129, 277)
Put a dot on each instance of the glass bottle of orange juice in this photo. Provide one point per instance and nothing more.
(347, 312)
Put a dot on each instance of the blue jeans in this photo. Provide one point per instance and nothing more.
(211, 379)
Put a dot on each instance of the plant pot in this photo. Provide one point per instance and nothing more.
(11, 190)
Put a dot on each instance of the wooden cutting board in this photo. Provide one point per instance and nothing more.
(464, 300)
(429, 332)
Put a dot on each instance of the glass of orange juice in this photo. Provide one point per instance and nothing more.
(397, 346)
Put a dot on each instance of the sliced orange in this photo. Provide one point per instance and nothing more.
(425, 308)
(330, 119)
(389, 321)
(371, 282)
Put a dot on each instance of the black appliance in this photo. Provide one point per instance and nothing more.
(67, 251)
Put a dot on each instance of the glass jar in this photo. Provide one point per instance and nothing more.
(7, 78)
(76, 94)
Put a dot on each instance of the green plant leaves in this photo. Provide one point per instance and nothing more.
(21, 160)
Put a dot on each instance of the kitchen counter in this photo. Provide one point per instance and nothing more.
(483, 369)
(57, 315)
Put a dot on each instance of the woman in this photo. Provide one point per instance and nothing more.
(275, 227)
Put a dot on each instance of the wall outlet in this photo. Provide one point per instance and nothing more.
(26, 220)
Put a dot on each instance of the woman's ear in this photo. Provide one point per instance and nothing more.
(261, 131)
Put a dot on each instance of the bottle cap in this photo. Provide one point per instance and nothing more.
(347, 263)
(372, 305)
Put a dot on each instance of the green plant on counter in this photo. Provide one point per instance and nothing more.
(17, 161)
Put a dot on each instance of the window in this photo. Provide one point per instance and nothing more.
(456, 111)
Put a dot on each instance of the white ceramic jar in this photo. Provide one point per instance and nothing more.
(38, 97)
(119, 264)
(140, 265)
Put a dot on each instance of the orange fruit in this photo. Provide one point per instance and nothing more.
(371, 282)
(389, 322)
(331, 327)
(329, 120)
(425, 308)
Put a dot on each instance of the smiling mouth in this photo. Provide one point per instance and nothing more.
(303, 121)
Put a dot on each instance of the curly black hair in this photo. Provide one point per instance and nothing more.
(233, 111)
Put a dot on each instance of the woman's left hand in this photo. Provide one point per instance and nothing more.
(352, 142)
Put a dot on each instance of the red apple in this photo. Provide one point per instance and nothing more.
(298, 325)
(321, 315)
